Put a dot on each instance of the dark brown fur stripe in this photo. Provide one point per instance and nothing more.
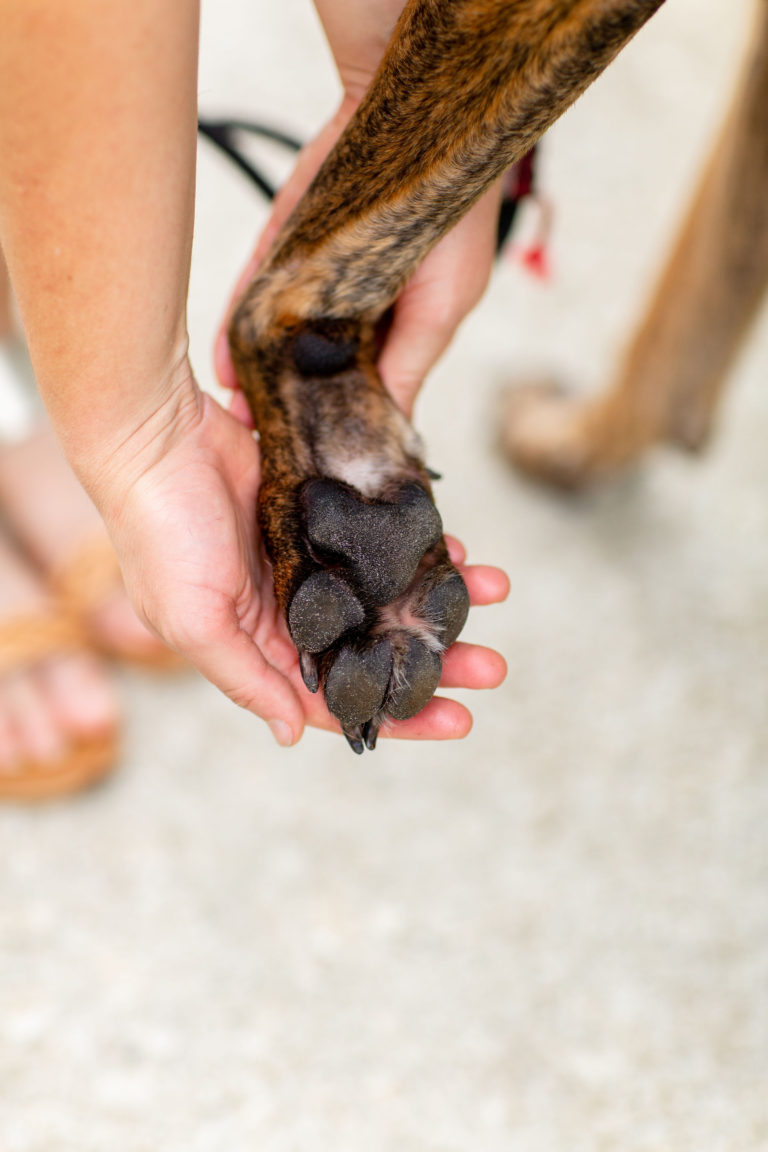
(415, 163)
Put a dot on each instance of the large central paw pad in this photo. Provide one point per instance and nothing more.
(379, 543)
(371, 621)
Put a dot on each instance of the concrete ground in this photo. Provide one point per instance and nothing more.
(552, 937)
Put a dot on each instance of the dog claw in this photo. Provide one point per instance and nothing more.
(354, 739)
(309, 671)
(370, 734)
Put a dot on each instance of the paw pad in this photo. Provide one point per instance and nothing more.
(446, 607)
(357, 682)
(417, 677)
(371, 620)
(324, 608)
(381, 543)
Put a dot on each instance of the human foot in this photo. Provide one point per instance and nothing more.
(58, 711)
(53, 519)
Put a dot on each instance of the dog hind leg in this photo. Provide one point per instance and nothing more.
(672, 377)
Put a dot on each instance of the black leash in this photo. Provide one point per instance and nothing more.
(222, 133)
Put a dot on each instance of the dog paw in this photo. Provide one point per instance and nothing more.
(360, 567)
(381, 604)
(544, 434)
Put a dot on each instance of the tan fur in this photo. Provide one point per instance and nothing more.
(672, 378)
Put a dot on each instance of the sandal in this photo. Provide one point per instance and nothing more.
(83, 584)
(25, 641)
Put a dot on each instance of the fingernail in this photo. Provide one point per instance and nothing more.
(281, 733)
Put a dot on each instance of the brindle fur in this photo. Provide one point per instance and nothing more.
(673, 375)
(303, 334)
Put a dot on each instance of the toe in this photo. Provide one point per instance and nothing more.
(416, 676)
(323, 609)
(356, 683)
(446, 606)
(36, 734)
(82, 698)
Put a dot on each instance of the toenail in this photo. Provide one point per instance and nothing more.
(281, 733)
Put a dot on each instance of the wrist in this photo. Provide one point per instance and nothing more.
(110, 456)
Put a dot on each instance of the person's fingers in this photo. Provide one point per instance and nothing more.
(442, 291)
(227, 656)
(238, 407)
(456, 550)
(284, 203)
(472, 666)
(485, 584)
(222, 359)
(441, 719)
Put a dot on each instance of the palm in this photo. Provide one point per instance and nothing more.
(194, 515)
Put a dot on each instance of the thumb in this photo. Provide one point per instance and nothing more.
(418, 335)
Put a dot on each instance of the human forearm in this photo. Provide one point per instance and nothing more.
(97, 149)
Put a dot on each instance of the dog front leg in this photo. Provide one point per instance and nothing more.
(361, 569)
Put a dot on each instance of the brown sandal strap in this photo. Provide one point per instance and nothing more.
(80, 767)
(30, 638)
(87, 581)
(88, 577)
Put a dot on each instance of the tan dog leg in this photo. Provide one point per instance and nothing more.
(673, 375)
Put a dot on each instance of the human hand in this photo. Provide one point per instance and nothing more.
(185, 529)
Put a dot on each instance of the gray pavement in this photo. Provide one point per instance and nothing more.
(551, 937)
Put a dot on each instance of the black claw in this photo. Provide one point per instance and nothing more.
(382, 543)
(353, 738)
(434, 475)
(370, 734)
(309, 673)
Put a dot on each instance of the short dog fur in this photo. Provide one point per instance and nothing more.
(360, 566)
